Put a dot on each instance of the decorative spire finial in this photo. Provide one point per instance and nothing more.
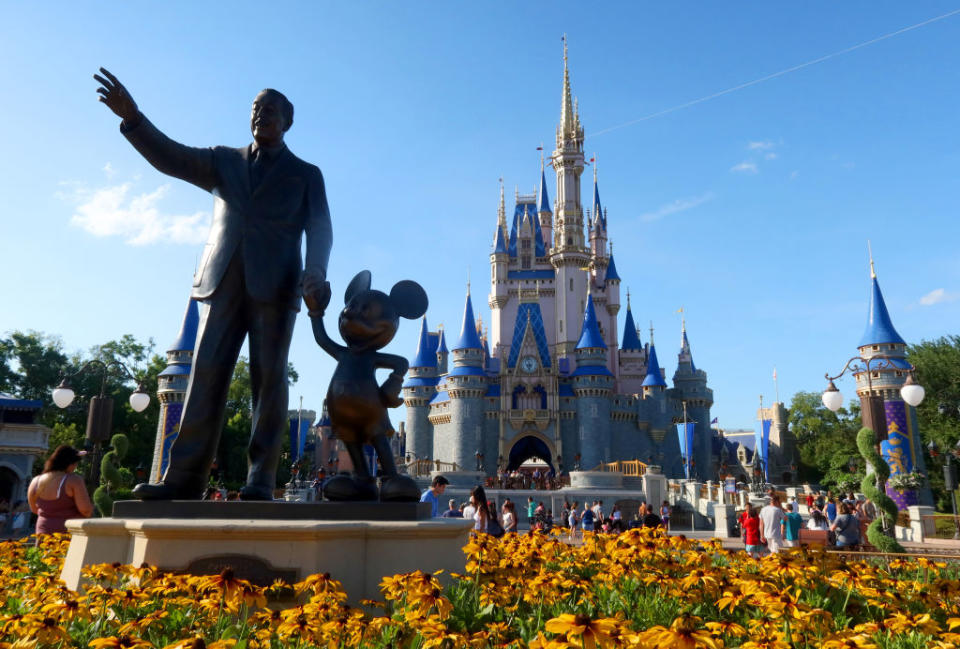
(651, 333)
(567, 111)
(595, 164)
(873, 272)
(683, 321)
(468, 281)
(628, 296)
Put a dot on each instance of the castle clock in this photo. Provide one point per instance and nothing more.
(529, 364)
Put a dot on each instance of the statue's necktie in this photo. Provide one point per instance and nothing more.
(257, 168)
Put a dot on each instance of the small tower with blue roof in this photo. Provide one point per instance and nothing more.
(593, 384)
(882, 407)
(419, 389)
(632, 356)
(465, 386)
(691, 384)
(545, 212)
(172, 389)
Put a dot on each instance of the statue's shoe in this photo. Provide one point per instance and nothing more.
(164, 491)
(399, 489)
(345, 488)
(256, 492)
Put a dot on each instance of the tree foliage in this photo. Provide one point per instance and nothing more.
(937, 364)
(826, 440)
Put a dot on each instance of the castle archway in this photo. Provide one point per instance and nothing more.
(9, 485)
(526, 447)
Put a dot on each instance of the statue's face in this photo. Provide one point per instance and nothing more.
(267, 122)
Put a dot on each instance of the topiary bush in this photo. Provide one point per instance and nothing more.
(881, 530)
(111, 480)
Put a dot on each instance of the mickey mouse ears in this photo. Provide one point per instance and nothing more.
(408, 297)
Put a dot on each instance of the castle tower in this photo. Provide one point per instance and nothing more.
(655, 407)
(632, 357)
(545, 213)
(419, 388)
(172, 388)
(442, 354)
(570, 255)
(499, 267)
(598, 230)
(593, 386)
(691, 383)
(466, 385)
(611, 292)
(878, 385)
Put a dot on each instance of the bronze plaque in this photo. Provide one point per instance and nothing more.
(253, 569)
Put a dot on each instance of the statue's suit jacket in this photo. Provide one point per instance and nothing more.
(263, 223)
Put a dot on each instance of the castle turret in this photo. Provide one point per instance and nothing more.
(632, 357)
(499, 267)
(442, 354)
(545, 213)
(172, 388)
(690, 387)
(598, 229)
(611, 292)
(654, 409)
(419, 388)
(570, 255)
(879, 380)
(593, 385)
(466, 386)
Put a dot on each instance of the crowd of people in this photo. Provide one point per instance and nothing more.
(777, 524)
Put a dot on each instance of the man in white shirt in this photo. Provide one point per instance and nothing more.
(771, 517)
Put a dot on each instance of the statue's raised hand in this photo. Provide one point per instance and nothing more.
(116, 97)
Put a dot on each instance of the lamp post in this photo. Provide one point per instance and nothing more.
(871, 413)
(949, 478)
(100, 413)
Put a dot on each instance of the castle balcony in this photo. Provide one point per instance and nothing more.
(520, 418)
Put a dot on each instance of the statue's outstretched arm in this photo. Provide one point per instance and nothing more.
(192, 164)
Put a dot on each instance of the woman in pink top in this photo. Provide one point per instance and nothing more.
(58, 494)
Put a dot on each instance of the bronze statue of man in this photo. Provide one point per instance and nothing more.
(250, 281)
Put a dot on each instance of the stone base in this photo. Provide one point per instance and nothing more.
(596, 480)
(272, 510)
(356, 553)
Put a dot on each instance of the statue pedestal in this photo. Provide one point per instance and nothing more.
(462, 479)
(596, 479)
(358, 553)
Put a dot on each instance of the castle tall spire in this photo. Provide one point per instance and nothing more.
(590, 333)
(426, 354)
(567, 115)
(880, 328)
(654, 375)
(631, 341)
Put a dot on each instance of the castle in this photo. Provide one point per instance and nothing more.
(552, 380)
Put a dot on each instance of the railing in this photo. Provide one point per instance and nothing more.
(633, 468)
(425, 467)
(943, 526)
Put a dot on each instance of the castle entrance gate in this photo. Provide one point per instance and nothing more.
(529, 446)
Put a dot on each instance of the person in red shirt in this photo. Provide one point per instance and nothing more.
(809, 501)
(751, 532)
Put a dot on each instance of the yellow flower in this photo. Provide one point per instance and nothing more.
(121, 642)
(901, 622)
(593, 632)
(683, 634)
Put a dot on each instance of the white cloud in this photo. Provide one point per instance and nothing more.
(109, 170)
(770, 156)
(762, 145)
(938, 295)
(113, 211)
(745, 167)
(674, 207)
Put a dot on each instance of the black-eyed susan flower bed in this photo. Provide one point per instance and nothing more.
(633, 590)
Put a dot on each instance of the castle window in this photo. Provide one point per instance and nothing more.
(571, 283)
(525, 262)
(569, 241)
(525, 244)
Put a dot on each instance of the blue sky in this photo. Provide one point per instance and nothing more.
(751, 209)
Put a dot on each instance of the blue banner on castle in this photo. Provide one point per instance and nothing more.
(298, 436)
(896, 449)
(686, 446)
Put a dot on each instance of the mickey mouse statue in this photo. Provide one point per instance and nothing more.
(357, 405)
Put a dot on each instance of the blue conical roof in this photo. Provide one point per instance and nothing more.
(654, 376)
(544, 199)
(499, 244)
(631, 341)
(597, 209)
(442, 345)
(425, 355)
(590, 334)
(468, 333)
(187, 338)
(879, 327)
(685, 349)
(612, 271)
